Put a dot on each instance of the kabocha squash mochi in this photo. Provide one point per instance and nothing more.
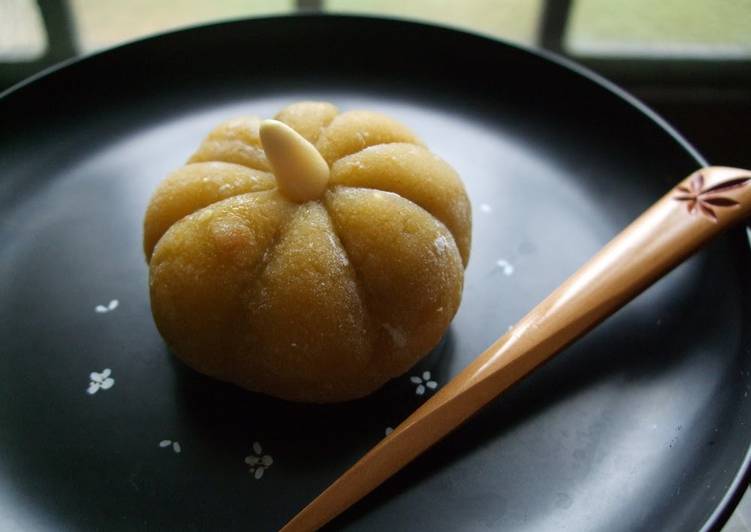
(312, 257)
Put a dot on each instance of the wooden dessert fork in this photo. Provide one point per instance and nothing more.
(707, 202)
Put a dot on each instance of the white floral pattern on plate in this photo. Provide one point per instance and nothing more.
(423, 383)
(505, 266)
(103, 309)
(176, 447)
(258, 461)
(100, 381)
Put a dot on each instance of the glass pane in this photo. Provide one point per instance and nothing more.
(103, 22)
(515, 20)
(664, 28)
(22, 35)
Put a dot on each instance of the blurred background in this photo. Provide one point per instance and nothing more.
(690, 60)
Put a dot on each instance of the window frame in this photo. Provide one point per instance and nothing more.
(666, 72)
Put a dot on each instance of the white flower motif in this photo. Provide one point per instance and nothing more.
(176, 448)
(505, 266)
(102, 309)
(100, 381)
(423, 382)
(258, 461)
(487, 209)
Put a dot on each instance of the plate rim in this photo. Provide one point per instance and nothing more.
(342, 17)
(737, 488)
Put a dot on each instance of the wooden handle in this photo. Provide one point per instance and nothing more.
(704, 204)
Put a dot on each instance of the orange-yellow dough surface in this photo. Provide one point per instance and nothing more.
(321, 300)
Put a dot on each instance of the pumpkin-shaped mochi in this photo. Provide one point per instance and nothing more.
(312, 257)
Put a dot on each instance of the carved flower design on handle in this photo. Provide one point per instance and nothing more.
(704, 200)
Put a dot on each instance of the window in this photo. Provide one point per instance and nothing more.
(630, 41)
(101, 23)
(22, 35)
(515, 20)
(686, 29)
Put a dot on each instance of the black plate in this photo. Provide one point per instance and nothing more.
(640, 426)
